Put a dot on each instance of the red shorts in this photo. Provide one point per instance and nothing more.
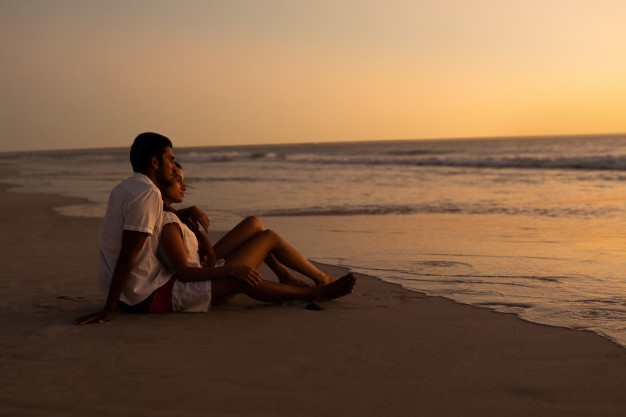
(162, 298)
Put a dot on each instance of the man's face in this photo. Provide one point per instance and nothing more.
(167, 170)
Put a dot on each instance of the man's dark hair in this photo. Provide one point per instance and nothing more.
(145, 146)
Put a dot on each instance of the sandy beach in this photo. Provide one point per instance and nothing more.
(381, 351)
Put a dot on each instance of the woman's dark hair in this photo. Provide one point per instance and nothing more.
(145, 146)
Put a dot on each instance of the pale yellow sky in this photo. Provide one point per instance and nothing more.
(79, 74)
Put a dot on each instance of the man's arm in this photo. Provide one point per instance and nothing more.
(132, 244)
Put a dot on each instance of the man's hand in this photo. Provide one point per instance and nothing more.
(100, 317)
(194, 216)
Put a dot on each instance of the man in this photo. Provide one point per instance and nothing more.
(129, 235)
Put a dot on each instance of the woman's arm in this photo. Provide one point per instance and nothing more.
(174, 248)
(193, 218)
(205, 250)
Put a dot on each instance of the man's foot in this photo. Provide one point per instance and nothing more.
(339, 287)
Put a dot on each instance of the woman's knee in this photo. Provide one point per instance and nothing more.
(272, 236)
(269, 233)
(254, 223)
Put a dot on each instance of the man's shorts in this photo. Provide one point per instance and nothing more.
(175, 296)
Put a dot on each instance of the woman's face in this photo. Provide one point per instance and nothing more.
(175, 193)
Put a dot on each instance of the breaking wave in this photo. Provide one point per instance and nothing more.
(447, 208)
(416, 158)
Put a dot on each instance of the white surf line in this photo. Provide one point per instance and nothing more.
(587, 200)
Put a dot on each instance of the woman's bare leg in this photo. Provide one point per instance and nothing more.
(253, 252)
(223, 289)
(237, 236)
(284, 275)
(242, 233)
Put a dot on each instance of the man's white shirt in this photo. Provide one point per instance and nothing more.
(136, 205)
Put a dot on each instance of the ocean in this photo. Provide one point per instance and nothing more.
(530, 226)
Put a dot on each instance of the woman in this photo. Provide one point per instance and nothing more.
(240, 253)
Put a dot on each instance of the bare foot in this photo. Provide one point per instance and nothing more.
(339, 287)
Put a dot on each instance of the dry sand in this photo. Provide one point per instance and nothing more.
(381, 351)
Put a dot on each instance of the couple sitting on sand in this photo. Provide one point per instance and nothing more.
(152, 261)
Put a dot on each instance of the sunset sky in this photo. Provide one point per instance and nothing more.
(82, 74)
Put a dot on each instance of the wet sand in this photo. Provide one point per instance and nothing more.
(381, 351)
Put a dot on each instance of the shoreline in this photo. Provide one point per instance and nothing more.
(382, 350)
(65, 210)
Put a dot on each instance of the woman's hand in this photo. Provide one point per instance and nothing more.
(205, 250)
(248, 275)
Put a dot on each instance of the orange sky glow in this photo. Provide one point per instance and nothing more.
(94, 74)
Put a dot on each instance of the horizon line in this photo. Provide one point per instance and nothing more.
(450, 139)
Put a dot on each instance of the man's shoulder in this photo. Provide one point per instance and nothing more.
(137, 184)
